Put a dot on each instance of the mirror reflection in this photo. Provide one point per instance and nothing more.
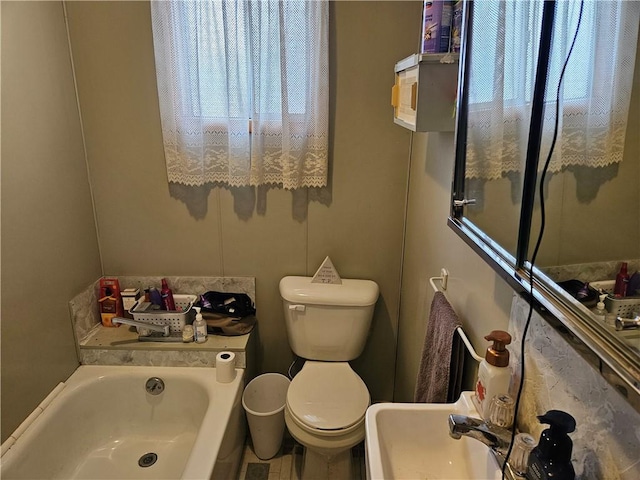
(592, 188)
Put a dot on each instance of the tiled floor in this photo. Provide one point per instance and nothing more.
(287, 463)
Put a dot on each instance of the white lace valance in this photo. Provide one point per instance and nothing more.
(595, 95)
(244, 91)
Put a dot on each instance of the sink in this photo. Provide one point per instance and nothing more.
(411, 441)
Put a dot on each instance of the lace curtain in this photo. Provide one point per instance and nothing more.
(595, 95)
(243, 89)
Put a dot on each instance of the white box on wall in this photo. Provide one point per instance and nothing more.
(424, 93)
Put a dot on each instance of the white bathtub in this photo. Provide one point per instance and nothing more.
(103, 421)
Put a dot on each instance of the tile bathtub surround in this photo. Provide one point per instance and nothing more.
(607, 437)
(96, 347)
(589, 272)
(84, 306)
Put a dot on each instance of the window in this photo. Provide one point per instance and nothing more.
(595, 94)
(243, 89)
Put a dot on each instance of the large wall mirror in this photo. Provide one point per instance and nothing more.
(519, 135)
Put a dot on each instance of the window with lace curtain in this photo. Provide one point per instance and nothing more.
(595, 94)
(243, 90)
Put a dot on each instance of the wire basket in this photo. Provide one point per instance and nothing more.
(175, 319)
(620, 307)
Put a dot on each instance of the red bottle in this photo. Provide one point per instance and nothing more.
(167, 296)
(622, 279)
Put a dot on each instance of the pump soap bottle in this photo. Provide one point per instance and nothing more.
(601, 311)
(551, 459)
(200, 327)
(494, 374)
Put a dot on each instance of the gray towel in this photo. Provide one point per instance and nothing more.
(440, 375)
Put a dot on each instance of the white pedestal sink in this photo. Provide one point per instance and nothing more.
(411, 441)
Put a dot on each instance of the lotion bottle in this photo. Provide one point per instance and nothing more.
(494, 374)
(200, 327)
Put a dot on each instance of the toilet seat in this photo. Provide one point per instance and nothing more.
(327, 398)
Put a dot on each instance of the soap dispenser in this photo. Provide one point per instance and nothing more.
(600, 311)
(200, 327)
(551, 459)
(494, 374)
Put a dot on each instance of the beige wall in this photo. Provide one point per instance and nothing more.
(146, 228)
(481, 298)
(49, 245)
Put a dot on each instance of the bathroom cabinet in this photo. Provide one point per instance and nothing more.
(424, 93)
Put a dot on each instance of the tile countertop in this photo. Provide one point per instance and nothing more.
(126, 338)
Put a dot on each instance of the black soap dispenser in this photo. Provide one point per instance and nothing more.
(551, 459)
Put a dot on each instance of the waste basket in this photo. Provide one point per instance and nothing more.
(263, 400)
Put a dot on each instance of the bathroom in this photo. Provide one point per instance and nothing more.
(87, 195)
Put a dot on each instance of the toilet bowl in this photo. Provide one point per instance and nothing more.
(327, 324)
(325, 411)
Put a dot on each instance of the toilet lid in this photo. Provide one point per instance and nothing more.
(328, 396)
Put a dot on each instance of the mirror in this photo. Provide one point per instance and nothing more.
(512, 59)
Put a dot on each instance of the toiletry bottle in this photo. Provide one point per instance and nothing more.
(633, 285)
(494, 374)
(200, 327)
(167, 297)
(551, 459)
(155, 297)
(600, 311)
(620, 289)
(187, 333)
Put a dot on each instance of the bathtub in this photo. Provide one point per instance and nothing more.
(103, 424)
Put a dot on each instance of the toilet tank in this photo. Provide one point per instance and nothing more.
(328, 322)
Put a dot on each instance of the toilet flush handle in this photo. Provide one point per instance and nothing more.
(297, 308)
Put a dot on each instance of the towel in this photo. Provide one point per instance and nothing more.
(441, 365)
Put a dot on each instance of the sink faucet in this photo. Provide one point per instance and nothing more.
(164, 329)
(498, 439)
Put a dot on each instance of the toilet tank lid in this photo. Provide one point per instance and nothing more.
(351, 293)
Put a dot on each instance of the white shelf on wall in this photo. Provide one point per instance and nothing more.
(424, 93)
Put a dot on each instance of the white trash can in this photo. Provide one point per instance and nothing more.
(263, 400)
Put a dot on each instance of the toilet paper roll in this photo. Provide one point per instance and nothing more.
(225, 367)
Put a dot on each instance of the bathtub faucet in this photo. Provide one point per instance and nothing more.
(164, 329)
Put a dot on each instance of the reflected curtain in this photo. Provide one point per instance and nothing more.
(595, 94)
(243, 91)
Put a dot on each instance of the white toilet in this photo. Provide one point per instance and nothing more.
(327, 325)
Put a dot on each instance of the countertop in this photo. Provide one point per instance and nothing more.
(126, 338)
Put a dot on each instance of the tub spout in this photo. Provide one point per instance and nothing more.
(164, 329)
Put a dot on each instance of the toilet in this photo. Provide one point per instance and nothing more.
(327, 325)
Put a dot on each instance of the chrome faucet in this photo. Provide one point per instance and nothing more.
(164, 329)
(498, 439)
(626, 323)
